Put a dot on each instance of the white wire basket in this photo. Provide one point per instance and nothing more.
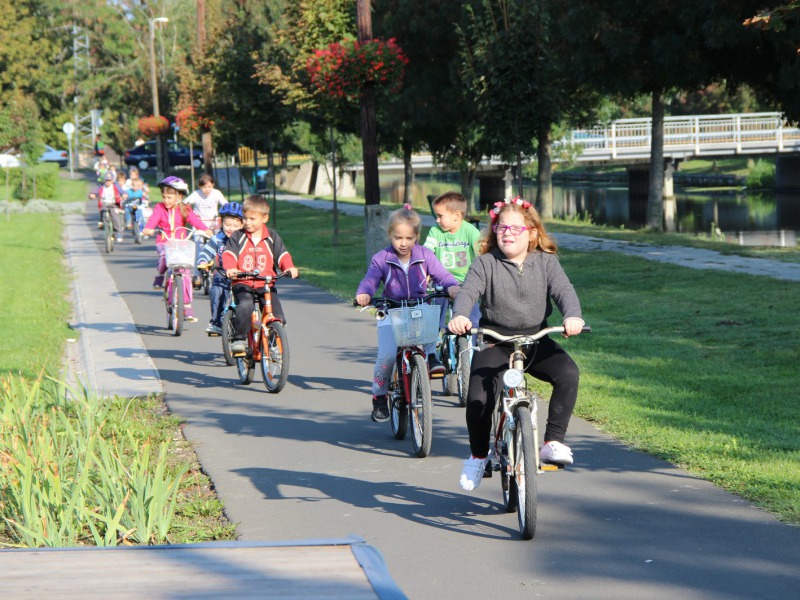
(416, 324)
(180, 252)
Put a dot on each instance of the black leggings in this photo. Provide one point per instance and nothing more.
(546, 361)
(243, 296)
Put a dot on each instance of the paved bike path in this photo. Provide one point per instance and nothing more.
(308, 463)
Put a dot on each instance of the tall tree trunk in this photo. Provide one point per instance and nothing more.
(544, 188)
(520, 186)
(376, 217)
(408, 173)
(655, 194)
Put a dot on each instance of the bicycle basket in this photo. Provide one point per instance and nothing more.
(179, 252)
(413, 325)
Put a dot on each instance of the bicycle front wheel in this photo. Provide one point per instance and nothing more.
(167, 293)
(227, 337)
(398, 409)
(462, 368)
(275, 357)
(177, 304)
(420, 409)
(108, 234)
(524, 472)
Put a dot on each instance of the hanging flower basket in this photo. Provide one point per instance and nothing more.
(191, 124)
(152, 126)
(342, 69)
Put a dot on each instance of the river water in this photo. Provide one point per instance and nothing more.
(745, 217)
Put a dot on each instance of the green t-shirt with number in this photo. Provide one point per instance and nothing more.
(455, 251)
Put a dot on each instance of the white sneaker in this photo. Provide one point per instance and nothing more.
(472, 474)
(556, 452)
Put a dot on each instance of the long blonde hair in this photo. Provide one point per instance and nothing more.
(541, 240)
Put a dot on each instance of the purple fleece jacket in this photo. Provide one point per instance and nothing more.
(385, 267)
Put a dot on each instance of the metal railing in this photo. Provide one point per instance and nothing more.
(751, 133)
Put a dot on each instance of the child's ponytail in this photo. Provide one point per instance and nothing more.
(406, 215)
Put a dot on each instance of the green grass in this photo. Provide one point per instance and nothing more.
(34, 298)
(696, 367)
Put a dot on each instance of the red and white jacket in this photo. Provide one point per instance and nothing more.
(242, 254)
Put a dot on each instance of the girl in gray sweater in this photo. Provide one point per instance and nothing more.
(516, 276)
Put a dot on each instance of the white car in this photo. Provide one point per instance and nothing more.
(53, 155)
(7, 159)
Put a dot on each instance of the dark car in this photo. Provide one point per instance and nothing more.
(144, 156)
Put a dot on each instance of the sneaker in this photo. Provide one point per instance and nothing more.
(158, 282)
(238, 348)
(99, 224)
(380, 409)
(555, 452)
(118, 239)
(188, 315)
(472, 474)
(213, 329)
(435, 367)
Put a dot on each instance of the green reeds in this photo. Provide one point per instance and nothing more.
(68, 476)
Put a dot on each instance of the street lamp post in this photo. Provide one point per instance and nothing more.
(154, 86)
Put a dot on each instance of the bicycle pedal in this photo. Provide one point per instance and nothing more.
(548, 466)
(488, 470)
(212, 334)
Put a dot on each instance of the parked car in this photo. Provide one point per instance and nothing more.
(52, 155)
(144, 156)
(9, 159)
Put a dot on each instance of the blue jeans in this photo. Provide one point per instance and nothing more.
(219, 294)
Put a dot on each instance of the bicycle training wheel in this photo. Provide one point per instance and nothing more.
(462, 369)
(177, 305)
(227, 337)
(275, 357)
(420, 409)
(246, 369)
(398, 409)
(525, 472)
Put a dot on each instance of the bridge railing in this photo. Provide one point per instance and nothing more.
(734, 133)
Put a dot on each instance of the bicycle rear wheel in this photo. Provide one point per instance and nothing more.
(275, 357)
(227, 336)
(462, 368)
(137, 232)
(420, 409)
(398, 409)
(525, 472)
(449, 384)
(177, 304)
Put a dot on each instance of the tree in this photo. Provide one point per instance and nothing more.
(654, 47)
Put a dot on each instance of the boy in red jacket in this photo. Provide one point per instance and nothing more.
(254, 248)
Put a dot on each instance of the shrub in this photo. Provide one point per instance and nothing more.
(761, 175)
(46, 178)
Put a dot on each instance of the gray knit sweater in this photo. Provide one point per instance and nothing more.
(516, 298)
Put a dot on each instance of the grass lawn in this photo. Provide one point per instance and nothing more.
(697, 367)
(35, 303)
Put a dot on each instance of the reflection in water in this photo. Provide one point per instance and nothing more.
(736, 215)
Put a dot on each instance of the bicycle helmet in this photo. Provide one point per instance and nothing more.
(176, 183)
(231, 209)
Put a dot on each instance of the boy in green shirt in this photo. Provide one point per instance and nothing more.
(454, 241)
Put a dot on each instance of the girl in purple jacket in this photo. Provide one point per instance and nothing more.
(403, 268)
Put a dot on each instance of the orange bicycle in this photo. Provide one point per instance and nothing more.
(267, 341)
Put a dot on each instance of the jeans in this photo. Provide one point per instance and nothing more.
(219, 294)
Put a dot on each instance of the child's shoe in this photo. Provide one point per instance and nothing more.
(435, 367)
(238, 348)
(472, 474)
(213, 329)
(158, 282)
(380, 409)
(556, 452)
(188, 315)
(118, 239)
(99, 224)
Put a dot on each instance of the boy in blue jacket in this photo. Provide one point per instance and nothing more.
(211, 254)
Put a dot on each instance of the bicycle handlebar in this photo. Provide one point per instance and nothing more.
(524, 338)
(383, 304)
(256, 276)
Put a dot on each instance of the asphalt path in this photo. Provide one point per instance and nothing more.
(308, 463)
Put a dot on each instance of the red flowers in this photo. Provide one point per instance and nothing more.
(190, 123)
(150, 126)
(342, 69)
